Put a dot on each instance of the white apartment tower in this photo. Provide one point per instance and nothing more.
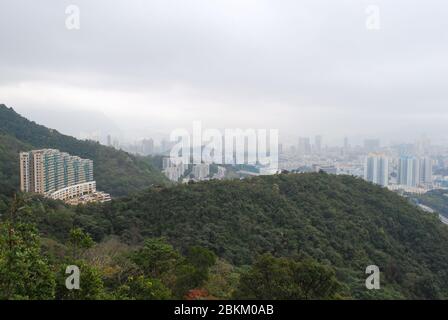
(48, 170)
(414, 172)
(426, 170)
(376, 169)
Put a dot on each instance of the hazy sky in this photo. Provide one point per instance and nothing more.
(304, 67)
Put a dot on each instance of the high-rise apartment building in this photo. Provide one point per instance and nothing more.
(147, 146)
(46, 171)
(426, 170)
(408, 171)
(201, 171)
(376, 169)
(346, 144)
(304, 146)
(414, 172)
(317, 148)
(173, 171)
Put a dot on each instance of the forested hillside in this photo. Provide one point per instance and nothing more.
(435, 199)
(271, 237)
(116, 172)
(9, 163)
(338, 224)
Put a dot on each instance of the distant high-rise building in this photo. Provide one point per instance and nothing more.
(426, 170)
(376, 169)
(148, 146)
(414, 171)
(201, 171)
(172, 170)
(304, 146)
(58, 175)
(221, 173)
(109, 140)
(174, 173)
(371, 145)
(346, 147)
(346, 144)
(409, 171)
(164, 146)
(318, 144)
(47, 170)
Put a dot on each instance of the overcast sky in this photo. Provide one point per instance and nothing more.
(142, 68)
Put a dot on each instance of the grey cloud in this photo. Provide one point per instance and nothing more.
(248, 56)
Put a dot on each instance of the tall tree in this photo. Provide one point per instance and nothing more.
(24, 273)
(286, 279)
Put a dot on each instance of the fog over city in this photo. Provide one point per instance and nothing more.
(140, 68)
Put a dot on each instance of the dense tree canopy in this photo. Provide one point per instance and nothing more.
(286, 279)
(313, 233)
(435, 199)
(338, 222)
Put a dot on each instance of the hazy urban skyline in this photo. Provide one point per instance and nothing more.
(144, 68)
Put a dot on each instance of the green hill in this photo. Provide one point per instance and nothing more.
(116, 172)
(9, 166)
(435, 199)
(311, 222)
(340, 221)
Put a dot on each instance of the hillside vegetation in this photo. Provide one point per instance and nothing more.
(9, 163)
(340, 222)
(435, 199)
(116, 172)
(286, 236)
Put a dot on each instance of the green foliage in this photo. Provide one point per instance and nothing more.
(316, 281)
(142, 288)
(187, 278)
(194, 271)
(336, 222)
(339, 221)
(156, 257)
(9, 159)
(24, 273)
(79, 240)
(435, 199)
(223, 280)
(286, 279)
(91, 283)
(201, 257)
